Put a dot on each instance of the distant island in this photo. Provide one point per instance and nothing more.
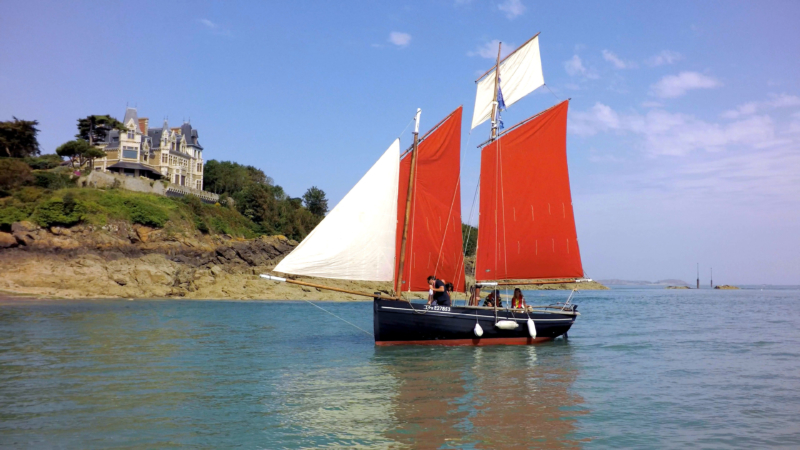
(678, 287)
(668, 282)
(725, 286)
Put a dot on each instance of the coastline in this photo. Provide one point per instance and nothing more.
(124, 261)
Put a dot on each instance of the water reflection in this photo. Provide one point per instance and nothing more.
(428, 405)
(493, 397)
(160, 374)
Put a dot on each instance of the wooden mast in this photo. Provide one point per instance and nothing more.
(495, 110)
(398, 282)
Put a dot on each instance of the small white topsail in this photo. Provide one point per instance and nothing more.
(356, 240)
(520, 74)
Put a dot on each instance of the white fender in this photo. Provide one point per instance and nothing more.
(478, 330)
(506, 324)
(531, 328)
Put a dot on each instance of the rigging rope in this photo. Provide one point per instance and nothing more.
(345, 321)
(404, 129)
(447, 224)
(503, 203)
(551, 91)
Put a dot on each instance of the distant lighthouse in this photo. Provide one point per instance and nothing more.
(698, 275)
(711, 283)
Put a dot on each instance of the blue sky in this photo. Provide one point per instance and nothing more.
(684, 136)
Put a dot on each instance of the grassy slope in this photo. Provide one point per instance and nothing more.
(70, 206)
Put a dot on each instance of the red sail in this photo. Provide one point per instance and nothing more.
(434, 245)
(526, 228)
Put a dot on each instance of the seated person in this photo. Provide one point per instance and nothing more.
(493, 297)
(440, 295)
(518, 301)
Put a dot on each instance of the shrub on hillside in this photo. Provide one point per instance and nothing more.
(14, 173)
(145, 213)
(11, 214)
(64, 212)
(51, 180)
(44, 162)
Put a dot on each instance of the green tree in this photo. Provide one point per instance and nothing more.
(79, 151)
(315, 201)
(44, 162)
(94, 129)
(257, 198)
(470, 236)
(18, 138)
(14, 173)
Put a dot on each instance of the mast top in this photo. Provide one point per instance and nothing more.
(507, 56)
(522, 74)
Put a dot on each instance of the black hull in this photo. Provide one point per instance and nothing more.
(404, 323)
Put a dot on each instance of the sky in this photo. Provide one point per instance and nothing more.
(684, 129)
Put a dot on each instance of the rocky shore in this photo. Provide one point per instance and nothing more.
(120, 260)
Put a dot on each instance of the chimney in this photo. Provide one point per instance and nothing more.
(143, 123)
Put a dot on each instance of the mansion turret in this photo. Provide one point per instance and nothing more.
(174, 154)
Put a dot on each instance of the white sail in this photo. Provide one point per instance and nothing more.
(520, 74)
(356, 240)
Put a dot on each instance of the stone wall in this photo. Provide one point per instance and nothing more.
(107, 180)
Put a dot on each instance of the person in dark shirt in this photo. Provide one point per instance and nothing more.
(493, 297)
(440, 294)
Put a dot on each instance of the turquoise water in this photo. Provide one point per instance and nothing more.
(645, 368)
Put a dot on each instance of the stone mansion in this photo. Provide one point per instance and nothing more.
(174, 154)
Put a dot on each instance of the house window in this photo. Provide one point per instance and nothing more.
(163, 158)
(130, 134)
(197, 184)
(130, 153)
(199, 167)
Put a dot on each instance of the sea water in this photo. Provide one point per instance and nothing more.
(644, 368)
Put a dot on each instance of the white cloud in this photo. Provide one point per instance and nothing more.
(617, 61)
(652, 105)
(775, 101)
(676, 85)
(209, 23)
(574, 67)
(676, 134)
(512, 8)
(489, 50)
(663, 58)
(399, 39)
(215, 28)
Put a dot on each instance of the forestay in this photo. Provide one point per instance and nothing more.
(356, 240)
(520, 74)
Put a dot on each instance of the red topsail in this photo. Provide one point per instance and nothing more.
(526, 228)
(434, 245)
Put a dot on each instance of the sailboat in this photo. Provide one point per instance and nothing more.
(402, 222)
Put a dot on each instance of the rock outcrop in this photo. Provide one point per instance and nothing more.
(120, 260)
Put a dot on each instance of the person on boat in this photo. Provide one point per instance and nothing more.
(518, 301)
(440, 294)
(492, 298)
(474, 295)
